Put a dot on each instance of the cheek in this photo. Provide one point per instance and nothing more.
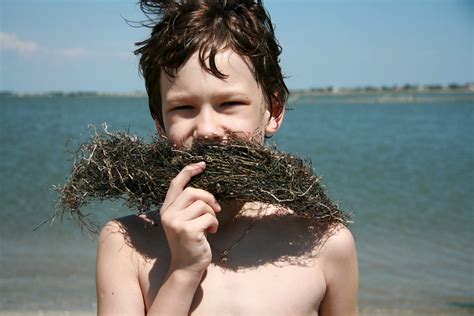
(251, 124)
(176, 131)
(260, 118)
(179, 139)
(244, 123)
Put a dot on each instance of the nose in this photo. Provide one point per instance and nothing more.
(208, 126)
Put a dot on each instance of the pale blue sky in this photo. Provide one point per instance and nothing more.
(75, 45)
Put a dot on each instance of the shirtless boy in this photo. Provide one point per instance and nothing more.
(211, 66)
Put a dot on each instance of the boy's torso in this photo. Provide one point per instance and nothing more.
(269, 272)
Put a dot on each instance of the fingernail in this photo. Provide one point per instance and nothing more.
(201, 164)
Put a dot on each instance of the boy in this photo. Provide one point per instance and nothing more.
(210, 67)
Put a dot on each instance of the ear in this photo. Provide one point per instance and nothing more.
(159, 128)
(274, 123)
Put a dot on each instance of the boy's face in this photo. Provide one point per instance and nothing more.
(196, 105)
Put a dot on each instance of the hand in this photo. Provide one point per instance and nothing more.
(187, 215)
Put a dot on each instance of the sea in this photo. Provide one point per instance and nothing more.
(401, 164)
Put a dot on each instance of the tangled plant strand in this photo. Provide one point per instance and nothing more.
(113, 166)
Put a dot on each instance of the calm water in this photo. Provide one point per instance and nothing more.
(405, 170)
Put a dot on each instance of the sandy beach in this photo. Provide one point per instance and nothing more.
(46, 313)
(363, 312)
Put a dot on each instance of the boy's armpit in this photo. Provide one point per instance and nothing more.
(118, 290)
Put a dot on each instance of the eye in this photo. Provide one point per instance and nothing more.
(231, 103)
(182, 108)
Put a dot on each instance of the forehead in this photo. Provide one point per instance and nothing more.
(193, 79)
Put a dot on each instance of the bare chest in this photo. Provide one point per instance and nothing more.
(263, 290)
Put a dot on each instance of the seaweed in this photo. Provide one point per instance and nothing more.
(111, 166)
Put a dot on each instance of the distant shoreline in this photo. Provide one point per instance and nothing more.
(382, 96)
(295, 94)
(383, 90)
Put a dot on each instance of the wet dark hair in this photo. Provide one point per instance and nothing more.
(181, 28)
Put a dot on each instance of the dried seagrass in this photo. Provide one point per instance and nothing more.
(119, 166)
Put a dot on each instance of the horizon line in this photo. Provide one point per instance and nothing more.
(327, 88)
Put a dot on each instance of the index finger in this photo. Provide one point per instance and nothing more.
(178, 184)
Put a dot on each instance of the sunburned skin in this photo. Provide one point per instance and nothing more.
(280, 266)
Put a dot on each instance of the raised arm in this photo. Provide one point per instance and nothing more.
(341, 274)
(187, 215)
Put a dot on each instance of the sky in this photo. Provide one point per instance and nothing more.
(70, 45)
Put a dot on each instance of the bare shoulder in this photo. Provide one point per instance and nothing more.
(112, 234)
(132, 234)
(339, 256)
(114, 244)
(339, 245)
(341, 273)
(122, 246)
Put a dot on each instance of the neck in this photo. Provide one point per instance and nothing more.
(235, 221)
(235, 212)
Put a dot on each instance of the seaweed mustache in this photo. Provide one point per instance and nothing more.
(112, 166)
